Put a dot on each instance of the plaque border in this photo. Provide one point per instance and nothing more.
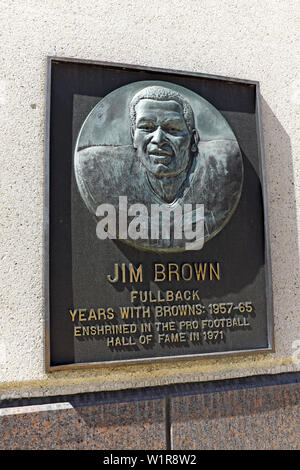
(46, 224)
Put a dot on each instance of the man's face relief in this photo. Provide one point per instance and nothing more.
(161, 137)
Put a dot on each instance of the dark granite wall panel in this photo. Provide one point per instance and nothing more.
(249, 413)
(128, 425)
(258, 418)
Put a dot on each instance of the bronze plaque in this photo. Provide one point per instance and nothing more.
(156, 235)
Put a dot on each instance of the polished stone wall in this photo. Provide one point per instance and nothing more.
(261, 413)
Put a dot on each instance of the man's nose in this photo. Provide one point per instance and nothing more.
(158, 136)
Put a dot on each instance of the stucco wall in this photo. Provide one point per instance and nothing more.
(247, 39)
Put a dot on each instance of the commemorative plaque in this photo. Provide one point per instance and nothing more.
(156, 235)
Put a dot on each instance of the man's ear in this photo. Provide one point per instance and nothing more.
(196, 136)
(195, 140)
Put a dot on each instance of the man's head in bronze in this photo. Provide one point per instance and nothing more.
(163, 131)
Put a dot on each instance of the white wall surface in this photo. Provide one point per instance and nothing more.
(248, 39)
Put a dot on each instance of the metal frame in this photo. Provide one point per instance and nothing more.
(46, 286)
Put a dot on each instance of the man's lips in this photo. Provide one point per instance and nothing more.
(160, 158)
(161, 154)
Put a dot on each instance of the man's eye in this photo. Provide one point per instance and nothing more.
(173, 129)
(146, 127)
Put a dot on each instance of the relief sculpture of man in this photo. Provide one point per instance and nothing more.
(165, 138)
(167, 163)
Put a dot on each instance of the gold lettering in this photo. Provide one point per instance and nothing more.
(195, 336)
(73, 314)
(116, 278)
(158, 271)
(183, 272)
(178, 296)
(173, 271)
(146, 327)
(136, 276)
(77, 330)
(101, 313)
(92, 315)
(110, 313)
(123, 272)
(170, 296)
(133, 295)
(200, 271)
(187, 295)
(213, 271)
(81, 314)
(172, 338)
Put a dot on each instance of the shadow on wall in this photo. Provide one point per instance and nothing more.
(282, 214)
